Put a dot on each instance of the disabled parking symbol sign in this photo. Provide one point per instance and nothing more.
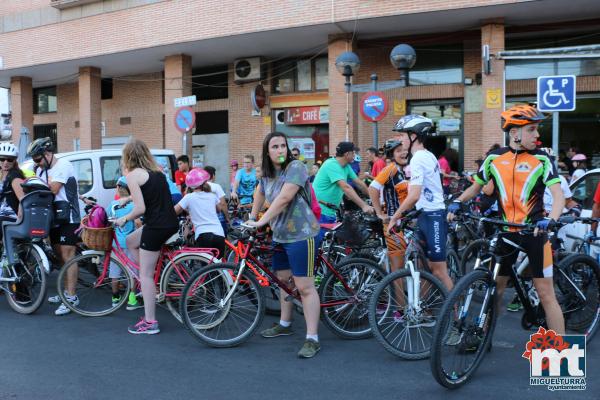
(556, 93)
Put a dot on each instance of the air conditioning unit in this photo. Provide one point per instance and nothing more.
(248, 70)
(279, 117)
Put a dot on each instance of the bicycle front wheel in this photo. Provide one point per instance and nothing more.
(345, 295)
(27, 293)
(97, 277)
(464, 330)
(577, 288)
(176, 274)
(219, 309)
(403, 312)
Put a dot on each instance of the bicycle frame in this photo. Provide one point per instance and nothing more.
(254, 263)
(166, 256)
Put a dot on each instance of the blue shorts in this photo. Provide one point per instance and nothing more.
(433, 230)
(300, 256)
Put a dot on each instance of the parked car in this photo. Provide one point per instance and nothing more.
(97, 171)
(583, 190)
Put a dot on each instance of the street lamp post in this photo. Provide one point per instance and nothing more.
(347, 64)
(403, 57)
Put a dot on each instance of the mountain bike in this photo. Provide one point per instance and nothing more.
(406, 303)
(222, 305)
(464, 331)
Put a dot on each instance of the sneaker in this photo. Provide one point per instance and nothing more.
(470, 344)
(515, 304)
(454, 337)
(116, 299)
(381, 309)
(425, 321)
(144, 328)
(309, 349)
(63, 309)
(277, 330)
(398, 317)
(133, 303)
(55, 299)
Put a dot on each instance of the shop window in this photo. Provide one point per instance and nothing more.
(210, 83)
(531, 69)
(438, 65)
(212, 122)
(300, 75)
(106, 88)
(44, 100)
(322, 73)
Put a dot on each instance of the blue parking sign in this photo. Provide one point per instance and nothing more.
(556, 93)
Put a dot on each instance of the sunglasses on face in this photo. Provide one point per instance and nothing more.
(37, 160)
(6, 159)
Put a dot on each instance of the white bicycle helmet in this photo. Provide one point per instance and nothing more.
(8, 149)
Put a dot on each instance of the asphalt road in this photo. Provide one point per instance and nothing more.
(71, 357)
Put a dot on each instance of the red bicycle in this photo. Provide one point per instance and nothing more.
(222, 304)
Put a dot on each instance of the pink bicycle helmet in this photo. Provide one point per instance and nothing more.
(196, 178)
(579, 157)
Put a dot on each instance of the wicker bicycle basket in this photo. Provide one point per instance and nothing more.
(96, 238)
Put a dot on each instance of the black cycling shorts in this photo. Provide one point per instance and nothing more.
(211, 241)
(65, 235)
(538, 251)
(154, 238)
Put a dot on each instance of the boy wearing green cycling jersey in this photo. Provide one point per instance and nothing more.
(521, 173)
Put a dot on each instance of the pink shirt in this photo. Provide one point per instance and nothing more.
(445, 168)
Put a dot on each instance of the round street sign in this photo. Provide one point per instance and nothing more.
(373, 106)
(185, 119)
(258, 97)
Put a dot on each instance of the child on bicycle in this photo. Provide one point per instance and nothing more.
(117, 210)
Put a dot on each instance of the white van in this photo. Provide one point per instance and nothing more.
(97, 171)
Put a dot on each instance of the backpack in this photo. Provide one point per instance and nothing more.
(97, 217)
(313, 203)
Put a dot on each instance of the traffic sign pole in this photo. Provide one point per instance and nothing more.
(375, 124)
(555, 122)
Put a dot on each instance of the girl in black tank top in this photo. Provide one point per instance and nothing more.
(159, 206)
(152, 200)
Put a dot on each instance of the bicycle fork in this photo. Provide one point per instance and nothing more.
(413, 287)
(224, 301)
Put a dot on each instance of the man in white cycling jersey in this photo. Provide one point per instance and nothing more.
(425, 192)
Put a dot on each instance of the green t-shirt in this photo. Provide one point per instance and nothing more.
(325, 184)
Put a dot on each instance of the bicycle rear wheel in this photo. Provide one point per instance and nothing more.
(176, 274)
(345, 297)
(403, 319)
(463, 331)
(97, 278)
(577, 288)
(26, 295)
(213, 320)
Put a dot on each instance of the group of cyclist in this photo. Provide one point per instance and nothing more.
(520, 174)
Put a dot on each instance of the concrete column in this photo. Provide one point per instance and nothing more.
(492, 86)
(21, 100)
(178, 71)
(337, 95)
(90, 108)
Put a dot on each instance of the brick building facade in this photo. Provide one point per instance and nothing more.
(146, 52)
